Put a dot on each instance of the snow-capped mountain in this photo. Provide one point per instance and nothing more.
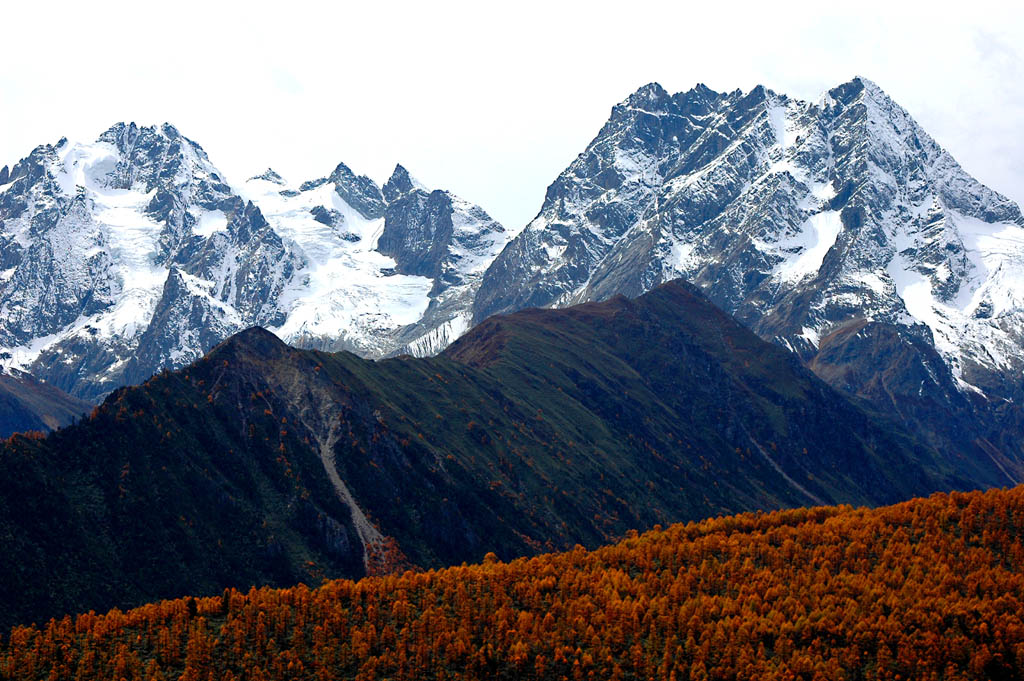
(450, 241)
(837, 228)
(796, 216)
(387, 270)
(132, 253)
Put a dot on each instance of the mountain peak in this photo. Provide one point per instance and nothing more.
(651, 96)
(269, 175)
(401, 182)
(858, 87)
(341, 170)
(256, 341)
(398, 183)
(169, 130)
(866, 83)
(400, 179)
(119, 128)
(846, 93)
(358, 191)
(125, 136)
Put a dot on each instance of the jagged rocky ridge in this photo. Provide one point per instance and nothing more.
(837, 228)
(133, 253)
(262, 463)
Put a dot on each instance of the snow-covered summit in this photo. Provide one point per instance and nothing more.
(797, 216)
(131, 253)
(271, 176)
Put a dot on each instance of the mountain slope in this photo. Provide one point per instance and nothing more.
(930, 588)
(133, 253)
(26, 404)
(805, 220)
(262, 463)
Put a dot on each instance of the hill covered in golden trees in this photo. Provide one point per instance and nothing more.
(928, 589)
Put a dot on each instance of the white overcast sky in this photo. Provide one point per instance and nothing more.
(489, 100)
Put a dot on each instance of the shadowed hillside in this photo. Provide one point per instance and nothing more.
(263, 464)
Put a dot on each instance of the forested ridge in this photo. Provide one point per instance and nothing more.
(534, 432)
(927, 589)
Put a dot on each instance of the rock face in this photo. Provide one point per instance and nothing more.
(825, 226)
(387, 270)
(132, 254)
(438, 235)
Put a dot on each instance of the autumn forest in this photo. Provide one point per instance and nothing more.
(928, 589)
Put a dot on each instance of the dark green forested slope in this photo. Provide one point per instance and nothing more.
(266, 464)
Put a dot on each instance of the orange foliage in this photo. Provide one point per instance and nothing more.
(929, 589)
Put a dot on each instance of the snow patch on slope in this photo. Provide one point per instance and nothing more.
(210, 222)
(469, 220)
(441, 337)
(347, 289)
(985, 314)
(803, 251)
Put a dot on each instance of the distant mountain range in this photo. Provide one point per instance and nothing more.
(838, 229)
(262, 463)
(132, 253)
(27, 404)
